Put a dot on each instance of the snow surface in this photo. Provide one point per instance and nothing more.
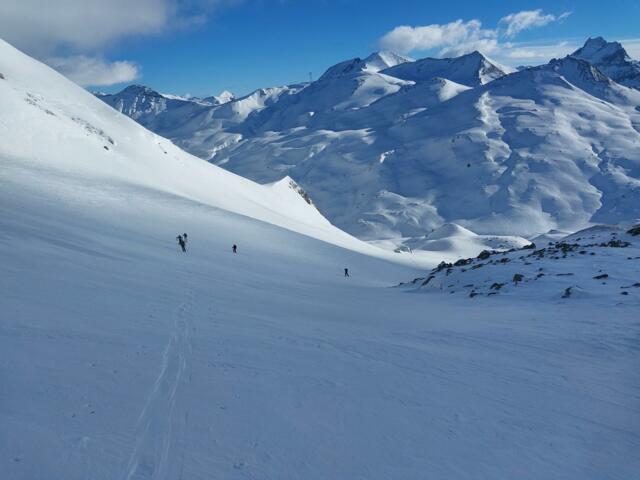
(123, 358)
(389, 155)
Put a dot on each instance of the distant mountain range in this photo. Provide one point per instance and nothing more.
(391, 148)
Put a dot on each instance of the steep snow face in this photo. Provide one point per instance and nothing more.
(612, 59)
(471, 70)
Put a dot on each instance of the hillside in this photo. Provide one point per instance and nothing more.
(124, 358)
(389, 154)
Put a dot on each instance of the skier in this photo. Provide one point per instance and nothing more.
(182, 243)
(184, 235)
(346, 272)
(234, 248)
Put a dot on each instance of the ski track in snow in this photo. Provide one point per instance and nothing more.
(155, 426)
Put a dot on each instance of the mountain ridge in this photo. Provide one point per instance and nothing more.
(388, 157)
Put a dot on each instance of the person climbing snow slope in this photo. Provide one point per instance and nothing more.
(182, 243)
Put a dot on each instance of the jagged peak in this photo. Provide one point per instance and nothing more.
(595, 41)
(136, 88)
(598, 50)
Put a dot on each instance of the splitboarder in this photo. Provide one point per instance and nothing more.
(182, 243)
(234, 248)
(346, 272)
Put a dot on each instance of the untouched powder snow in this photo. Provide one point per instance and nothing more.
(123, 358)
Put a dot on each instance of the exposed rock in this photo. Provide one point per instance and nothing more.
(484, 255)
(463, 261)
(635, 230)
(428, 279)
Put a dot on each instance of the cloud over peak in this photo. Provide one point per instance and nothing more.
(404, 39)
(95, 71)
(460, 37)
(527, 19)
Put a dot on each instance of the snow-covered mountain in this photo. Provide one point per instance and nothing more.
(393, 153)
(373, 63)
(80, 138)
(224, 97)
(611, 59)
(198, 125)
(472, 69)
(124, 358)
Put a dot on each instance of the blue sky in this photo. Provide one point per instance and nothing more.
(202, 47)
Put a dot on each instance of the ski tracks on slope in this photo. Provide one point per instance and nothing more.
(155, 427)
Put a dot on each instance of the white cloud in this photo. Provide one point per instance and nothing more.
(460, 37)
(42, 26)
(527, 19)
(94, 71)
(485, 45)
(632, 46)
(71, 34)
(451, 36)
(523, 54)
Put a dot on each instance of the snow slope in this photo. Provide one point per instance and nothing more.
(389, 155)
(73, 135)
(123, 358)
